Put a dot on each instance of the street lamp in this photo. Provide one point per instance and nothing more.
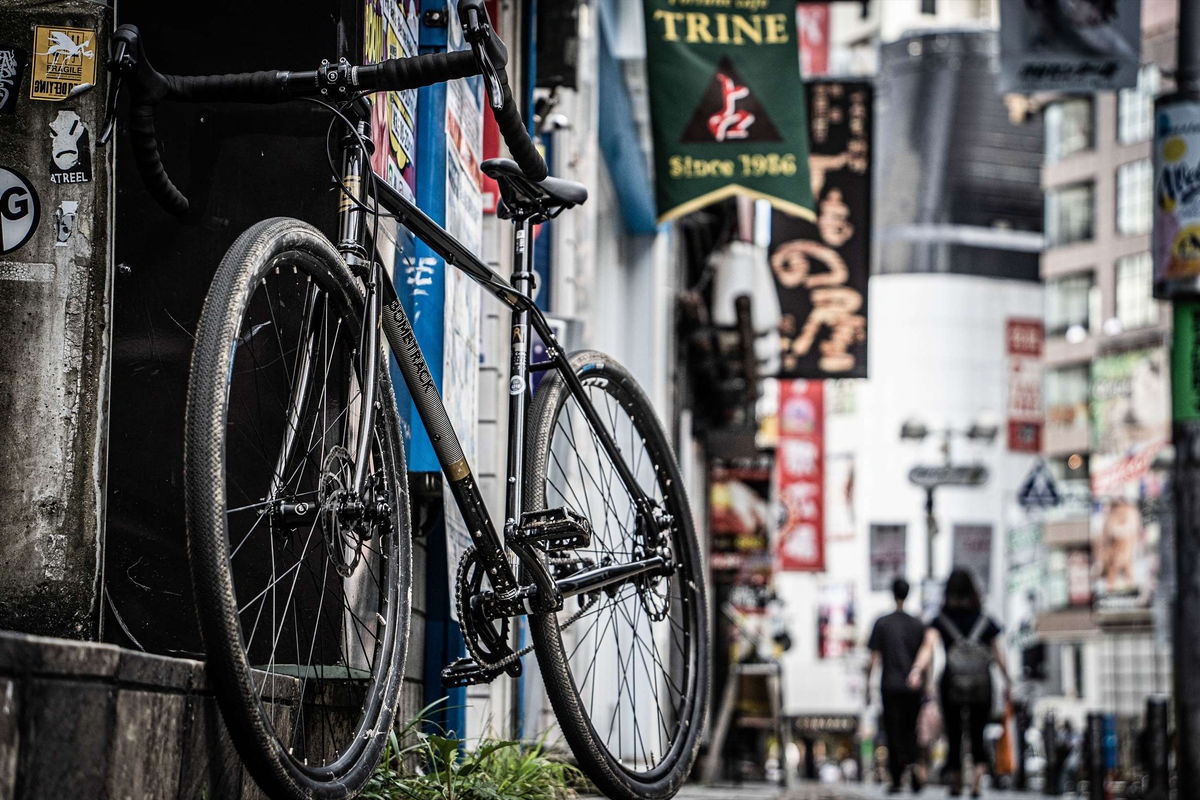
(984, 429)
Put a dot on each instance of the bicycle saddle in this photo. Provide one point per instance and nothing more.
(523, 197)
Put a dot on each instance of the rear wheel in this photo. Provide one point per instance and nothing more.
(302, 585)
(626, 668)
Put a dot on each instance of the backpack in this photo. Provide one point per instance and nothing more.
(968, 665)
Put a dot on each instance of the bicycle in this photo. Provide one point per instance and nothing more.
(295, 478)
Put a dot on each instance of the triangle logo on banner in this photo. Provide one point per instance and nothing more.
(729, 111)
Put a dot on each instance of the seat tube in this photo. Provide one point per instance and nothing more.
(518, 376)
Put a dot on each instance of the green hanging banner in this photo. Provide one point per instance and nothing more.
(726, 104)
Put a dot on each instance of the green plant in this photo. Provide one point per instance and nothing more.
(432, 766)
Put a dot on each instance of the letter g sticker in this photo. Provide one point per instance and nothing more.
(19, 210)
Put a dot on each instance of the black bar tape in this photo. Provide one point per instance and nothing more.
(516, 136)
(144, 142)
(396, 74)
(269, 86)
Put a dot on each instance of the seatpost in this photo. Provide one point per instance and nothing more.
(518, 375)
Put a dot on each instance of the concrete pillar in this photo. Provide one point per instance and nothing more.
(54, 315)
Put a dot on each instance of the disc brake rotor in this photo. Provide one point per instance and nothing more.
(342, 542)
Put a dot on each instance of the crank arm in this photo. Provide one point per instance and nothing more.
(591, 580)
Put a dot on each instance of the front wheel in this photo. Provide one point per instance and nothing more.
(626, 668)
(301, 582)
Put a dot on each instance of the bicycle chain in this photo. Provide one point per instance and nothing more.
(500, 664)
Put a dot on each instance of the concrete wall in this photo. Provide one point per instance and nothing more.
(54, 318)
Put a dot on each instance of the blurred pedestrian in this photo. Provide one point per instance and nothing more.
(971, 640)
(894, 643)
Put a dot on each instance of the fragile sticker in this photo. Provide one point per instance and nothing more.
(64, 222)
(12, 62)
(63, 58)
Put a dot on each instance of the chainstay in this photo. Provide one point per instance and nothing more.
(499, 665)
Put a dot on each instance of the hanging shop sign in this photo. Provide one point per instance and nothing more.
(1176, 158)
(723, 89)
(799, 469)
(1069, 45)
(821, 266)
(1026, 414)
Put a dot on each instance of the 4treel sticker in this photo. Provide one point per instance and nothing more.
(19, 210)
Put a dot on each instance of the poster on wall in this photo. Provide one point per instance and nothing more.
(390, 31)
(739, 511)
(839, 496)
(1131, 418)
(1069, 45)
(821, 267)
(972, 551)
(1025, 583)
(836, 622)
(799, 469)
(888, 555)
(1176, 159)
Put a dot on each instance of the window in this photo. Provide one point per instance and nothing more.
(1135, 301)
(1134, 195)
(929, 6)
(1068, 128)
(1068, 303)
(1069, 213)
(1135, 107)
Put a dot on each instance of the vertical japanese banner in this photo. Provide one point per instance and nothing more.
(821, 266)
(723, 87)
(812, 21)
(1026, 416)
(799, 469)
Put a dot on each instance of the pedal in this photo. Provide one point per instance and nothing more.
(466, 672)
(554, 529)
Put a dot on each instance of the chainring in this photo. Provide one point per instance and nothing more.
(486, 639)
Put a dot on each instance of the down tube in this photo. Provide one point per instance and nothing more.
(403, 341)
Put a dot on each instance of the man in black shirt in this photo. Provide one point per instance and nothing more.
(894, 643)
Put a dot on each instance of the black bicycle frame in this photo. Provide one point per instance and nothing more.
(514, 597)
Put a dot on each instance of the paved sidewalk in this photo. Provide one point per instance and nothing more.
(817, 791)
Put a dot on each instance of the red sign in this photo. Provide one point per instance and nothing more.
(813, 23)
(800, 470)
(1023, 340)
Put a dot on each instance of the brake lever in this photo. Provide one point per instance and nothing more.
(477, 35)
(122, 62)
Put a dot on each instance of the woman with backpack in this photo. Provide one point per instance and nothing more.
(972, 642)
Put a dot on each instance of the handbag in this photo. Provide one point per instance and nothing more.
(1005, 760)
(929, 723)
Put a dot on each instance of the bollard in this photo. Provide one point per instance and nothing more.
(1156, 745)
(1094, 747)
(1050, 774)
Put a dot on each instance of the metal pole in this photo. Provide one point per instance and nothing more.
(1185, 378)
(1051, 781)
(930, 532)
(1095, 756)
(1155, 742)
